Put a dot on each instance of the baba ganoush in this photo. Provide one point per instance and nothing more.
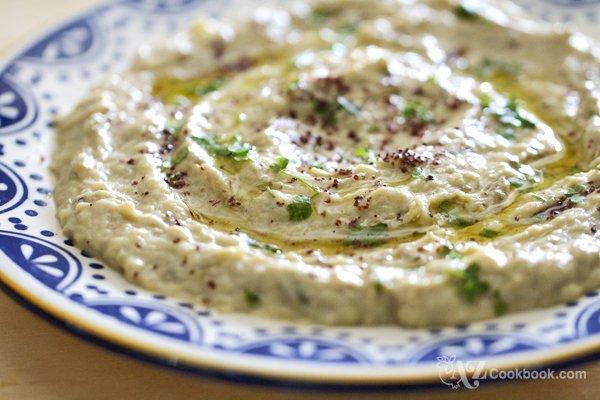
(346, 162)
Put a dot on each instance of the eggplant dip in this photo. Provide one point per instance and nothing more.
(346, 162)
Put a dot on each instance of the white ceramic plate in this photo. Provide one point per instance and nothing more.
(41, 268)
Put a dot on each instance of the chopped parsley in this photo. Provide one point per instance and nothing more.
(417, 173)
(235, 150)
(469, 285)
(513, 106)
(294, 84)
(414, 109)
(179, 157)
(300, 208)
(515, 181)
(575, 193)
(489, 233)
(464, 12)
(446, 208)
(378, 286)
(489, 68)
(328, 110)
(528, 174)
(485, 100)
(500, 306)
(363, 152)
(320, 13)
(279, 164)
(325, 110)
(174, 126)
(181, 100)
(348, 106)
(251, 298)
(319, 165)
(460, 222)
(538, 197)
(367, 236)
(449, 252)
(210, 87)
(510, 117)
(347, 28)
(264, 246)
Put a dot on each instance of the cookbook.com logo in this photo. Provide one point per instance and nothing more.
(468, 374)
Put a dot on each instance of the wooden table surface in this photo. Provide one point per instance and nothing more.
(41, 361)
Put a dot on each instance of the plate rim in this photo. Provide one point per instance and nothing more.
(581, 353)
(562, 356)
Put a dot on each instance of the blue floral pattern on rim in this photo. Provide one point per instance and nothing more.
(46, 262)
(305, 348)
(66, 43)
(476, 346)
(161, 320)
(13, 190)
(87, 48)
(17, 108)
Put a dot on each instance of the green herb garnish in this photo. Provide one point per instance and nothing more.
(485, 100)
(174, 126)
(293, 85)
(181, 100)
(500, 306)
(236, 151)
(417, 173)
(348, 28)
(320, 13)
(510, 117)
(179, 156)
(538, 197)
(460, 222)
(378, 286)
(327, 111)
(515, 181)
(469, 286)
(414, 109)
(210, 87)
(575, 189)
(450, 252)
(464, 12)
(251, 298)
(445, 206)
(488, 68)
(513, 106)
(367, 236)
(279, 164)
(575, 193)
(300, 208)
(363, 152)
(264, 246)
(489, 233)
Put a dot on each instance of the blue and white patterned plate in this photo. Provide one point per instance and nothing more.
(41, 267)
